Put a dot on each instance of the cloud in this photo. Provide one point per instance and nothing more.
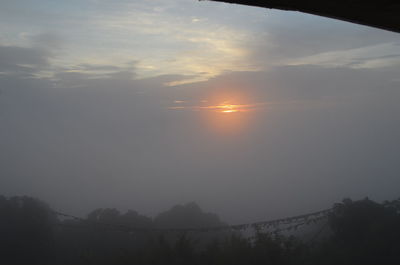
(33, 59)
(91, 67)
(164, 43)
(100, 71)
(151, 34)
(384, 55)
(290, 36)
(21, 60)
(47, 41)
(188, 38)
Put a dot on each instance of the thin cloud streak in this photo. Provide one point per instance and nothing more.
(374, 56)
(223, 107)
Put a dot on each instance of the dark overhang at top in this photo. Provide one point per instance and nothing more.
(384, 14)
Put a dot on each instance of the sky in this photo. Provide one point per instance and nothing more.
(252, 113)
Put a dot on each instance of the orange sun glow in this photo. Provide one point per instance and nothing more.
(226, 113)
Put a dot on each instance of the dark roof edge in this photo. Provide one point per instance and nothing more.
(383, 14)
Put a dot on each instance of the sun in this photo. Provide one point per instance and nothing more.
(229, 111)
(227, 108)
(226, 118)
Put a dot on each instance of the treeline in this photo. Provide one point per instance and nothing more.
(360, 232)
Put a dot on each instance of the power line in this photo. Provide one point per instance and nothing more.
(294, 222)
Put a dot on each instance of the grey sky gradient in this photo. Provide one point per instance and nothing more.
(107, 104)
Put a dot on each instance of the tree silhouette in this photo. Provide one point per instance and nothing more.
(362, 232)
(26, 229)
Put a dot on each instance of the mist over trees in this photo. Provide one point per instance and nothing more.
(360, 232)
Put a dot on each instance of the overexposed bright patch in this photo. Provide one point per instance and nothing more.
(228, 108)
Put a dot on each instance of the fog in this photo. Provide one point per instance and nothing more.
(84, 125)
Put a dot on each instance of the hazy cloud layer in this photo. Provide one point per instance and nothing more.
(123, 111)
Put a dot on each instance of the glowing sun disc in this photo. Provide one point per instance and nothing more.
(230, 111)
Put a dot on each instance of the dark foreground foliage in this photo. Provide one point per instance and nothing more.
(361, 232)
